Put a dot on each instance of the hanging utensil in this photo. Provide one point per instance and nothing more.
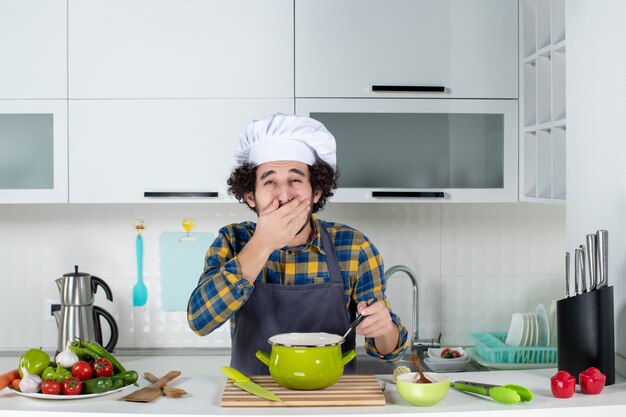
(140, 292)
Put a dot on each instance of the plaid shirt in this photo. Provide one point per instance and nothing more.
(222, 290)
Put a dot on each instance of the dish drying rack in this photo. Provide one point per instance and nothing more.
(491, 347)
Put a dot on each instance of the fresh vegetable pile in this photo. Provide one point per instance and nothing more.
(448, 353)
(84, 367)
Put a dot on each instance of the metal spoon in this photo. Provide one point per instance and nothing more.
(418, 365)
(359, 318)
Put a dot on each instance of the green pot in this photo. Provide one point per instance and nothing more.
(298, 362)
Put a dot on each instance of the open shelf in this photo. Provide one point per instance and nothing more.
(543, 108)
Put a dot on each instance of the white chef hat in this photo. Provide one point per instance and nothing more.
(286, 137)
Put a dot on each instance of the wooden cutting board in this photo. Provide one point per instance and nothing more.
(350, 390)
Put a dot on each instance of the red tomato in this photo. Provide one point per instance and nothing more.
(82, 370)
(51, 387)
(102, 367)
(444, 351)
(72, 386)
(563, 384)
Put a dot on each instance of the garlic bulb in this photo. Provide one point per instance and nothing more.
(30, 383)
(66, 358)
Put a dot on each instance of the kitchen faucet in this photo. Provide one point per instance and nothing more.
(417, 344)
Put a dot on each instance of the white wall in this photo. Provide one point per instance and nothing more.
(596, 142)
(476, 263)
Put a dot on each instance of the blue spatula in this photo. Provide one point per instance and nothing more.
(140, 292)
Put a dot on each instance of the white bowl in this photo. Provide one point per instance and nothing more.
(435, 355)
(450, 366)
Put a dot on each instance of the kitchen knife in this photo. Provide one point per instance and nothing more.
(243, 382)
(567, 274)
(583, 269)
(590, 257)
(602, 245)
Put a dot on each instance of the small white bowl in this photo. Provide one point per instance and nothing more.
(449, 366)
(435, 355)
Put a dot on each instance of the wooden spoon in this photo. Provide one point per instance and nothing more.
(422, 379)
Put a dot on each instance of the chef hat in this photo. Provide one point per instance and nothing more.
(285, 137)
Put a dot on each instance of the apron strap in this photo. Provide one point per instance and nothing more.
(331, 256)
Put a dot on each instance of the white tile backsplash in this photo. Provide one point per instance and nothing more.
(476, 264)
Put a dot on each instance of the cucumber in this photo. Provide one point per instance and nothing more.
(117, 382)
(97, 385)
(129, 377)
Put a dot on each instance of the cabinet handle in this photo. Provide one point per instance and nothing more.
(180, 194)
(410, 88)
(418, 194)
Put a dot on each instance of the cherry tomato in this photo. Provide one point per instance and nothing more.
(102, 367)
(82, 370)
(72, 386)
(51, 387)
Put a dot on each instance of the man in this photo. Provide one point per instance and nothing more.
(291, 272)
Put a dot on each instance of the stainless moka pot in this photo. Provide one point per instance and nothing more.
(76, 316)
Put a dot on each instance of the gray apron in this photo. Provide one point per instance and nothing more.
(274, 308)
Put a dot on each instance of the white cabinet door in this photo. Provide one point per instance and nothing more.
(181, 49)
(122, 149)
(421, 150)
(344, 48)
(33, 151)
(33, 49)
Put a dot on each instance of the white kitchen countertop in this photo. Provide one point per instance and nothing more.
(203, 381)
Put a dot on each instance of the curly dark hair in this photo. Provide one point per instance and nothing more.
(324, 178)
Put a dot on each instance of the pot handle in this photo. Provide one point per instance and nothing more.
(347, 357)
(263, 357)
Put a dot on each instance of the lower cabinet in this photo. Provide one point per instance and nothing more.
(137, 151)
(33, 151)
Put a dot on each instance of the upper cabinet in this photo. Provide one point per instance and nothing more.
(33, 49)
(406, 48)
(181, 49)
(137, 151)
(33, 151)
(542, 101)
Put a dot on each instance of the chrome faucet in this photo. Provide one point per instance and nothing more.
(417, 344)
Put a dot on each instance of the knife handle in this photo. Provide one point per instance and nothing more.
(583, 269)
(165, 379)
(603, 257)
(590, 253)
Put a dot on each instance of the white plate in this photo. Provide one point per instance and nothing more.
(41, 396)
(435, 355)
(515, 335)
(448, 366)
(543, 334)
(507, 366)
(553, 334)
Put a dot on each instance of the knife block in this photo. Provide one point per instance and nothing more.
(585, 333)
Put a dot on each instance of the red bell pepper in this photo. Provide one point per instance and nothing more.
(563, 384)
(591, 381)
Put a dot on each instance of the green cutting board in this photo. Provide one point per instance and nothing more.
(182, 262)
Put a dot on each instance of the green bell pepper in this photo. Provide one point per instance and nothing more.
(57, 374)
(34, 361)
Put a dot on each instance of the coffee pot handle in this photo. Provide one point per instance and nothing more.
(100, 312)
(95, 282)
